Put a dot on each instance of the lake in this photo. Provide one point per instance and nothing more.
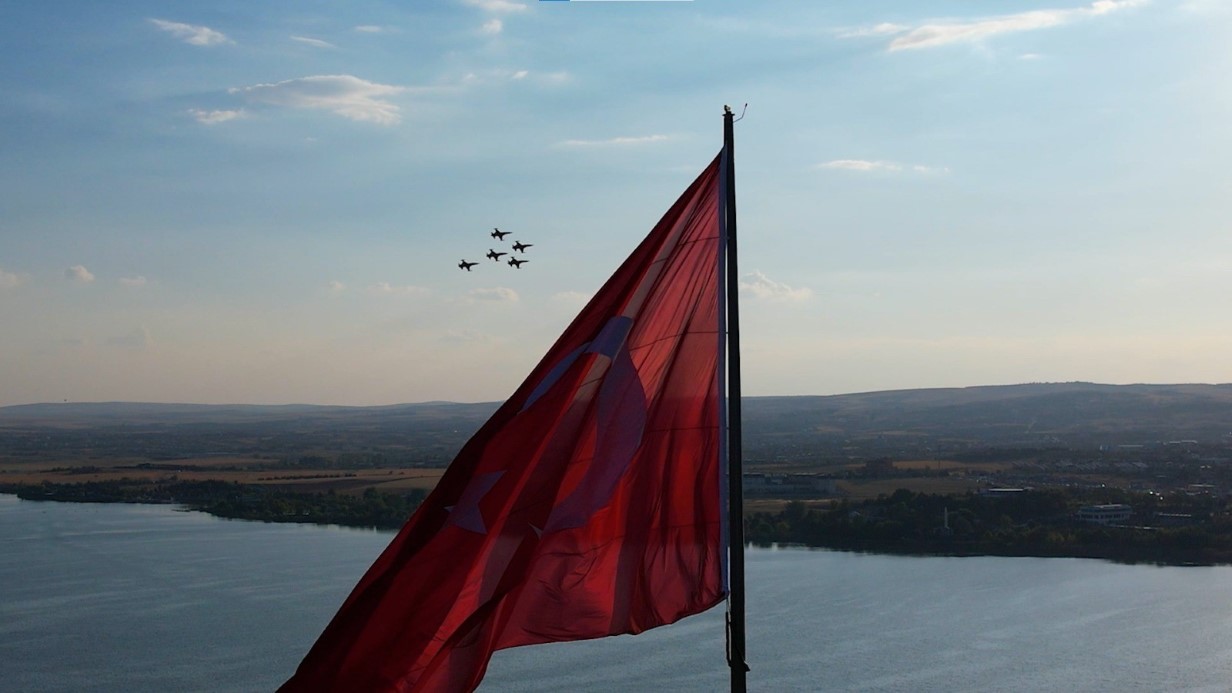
(151, 598)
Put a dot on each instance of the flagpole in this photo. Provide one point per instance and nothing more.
(735, 474)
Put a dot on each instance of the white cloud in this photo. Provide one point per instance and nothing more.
(492, 27)
(863, 165)
(502, 75)
(615, 141)
(941, 33)
(133, 282)
(1206, 6)
(336, 286)
(344, 95)
(191, 33)
(572, 298)
(387, 289)
(316, 43)
(9, 280)
(79, 273)
(883, 29)
(374, 29)
(498, 6)
(500, 294)
(763, 287)
(214, 117)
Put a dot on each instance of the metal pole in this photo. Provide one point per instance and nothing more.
(735, 474)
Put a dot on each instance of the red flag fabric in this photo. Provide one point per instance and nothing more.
(588, 505)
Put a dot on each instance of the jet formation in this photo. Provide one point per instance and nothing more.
(495, 255)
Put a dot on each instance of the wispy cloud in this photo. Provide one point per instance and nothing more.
(883, 29)
(615, 141)
(132, 282)
(1206, 6)
(763, 287)
(214, 117)
(494, 26)
(387, 289)
(344, 95)
(572, 298)
(498, 76)
(946, 32)
(863, 165)
(497, 6)
(10, 280)
(499, 294)
(193, 34)
(79, 274)
(315, 43)
(374, 29)
(336, 286)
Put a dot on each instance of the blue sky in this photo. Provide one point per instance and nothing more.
(266, 202)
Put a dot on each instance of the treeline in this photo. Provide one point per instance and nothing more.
(238, 501)
(1030, 523)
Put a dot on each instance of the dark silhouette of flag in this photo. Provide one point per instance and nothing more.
(590, 504)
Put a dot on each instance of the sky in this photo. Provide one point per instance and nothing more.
(239, 202)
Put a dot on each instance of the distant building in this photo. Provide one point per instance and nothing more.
(1107, 514)
(1001, 492)
(1175, 519)
(789, 485)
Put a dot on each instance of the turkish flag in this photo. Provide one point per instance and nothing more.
(590, 504)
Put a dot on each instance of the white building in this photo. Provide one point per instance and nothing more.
(1108, 514)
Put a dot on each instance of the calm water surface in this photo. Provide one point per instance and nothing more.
(149, 598)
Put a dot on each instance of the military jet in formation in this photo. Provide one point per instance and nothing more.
(495, 256)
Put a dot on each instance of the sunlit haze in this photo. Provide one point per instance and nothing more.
(238, 202)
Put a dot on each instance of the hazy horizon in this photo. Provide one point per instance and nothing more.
(227, 203)
(499, 401)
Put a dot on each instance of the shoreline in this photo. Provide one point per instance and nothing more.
(379, 511)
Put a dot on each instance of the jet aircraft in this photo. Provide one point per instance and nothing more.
(521, 247)
(498, 234)
(516, 263)
(495, 255)
(466, 265)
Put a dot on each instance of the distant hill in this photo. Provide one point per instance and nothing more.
(153, 414)
(1075, 415)
(415, 434)
(893, 423)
